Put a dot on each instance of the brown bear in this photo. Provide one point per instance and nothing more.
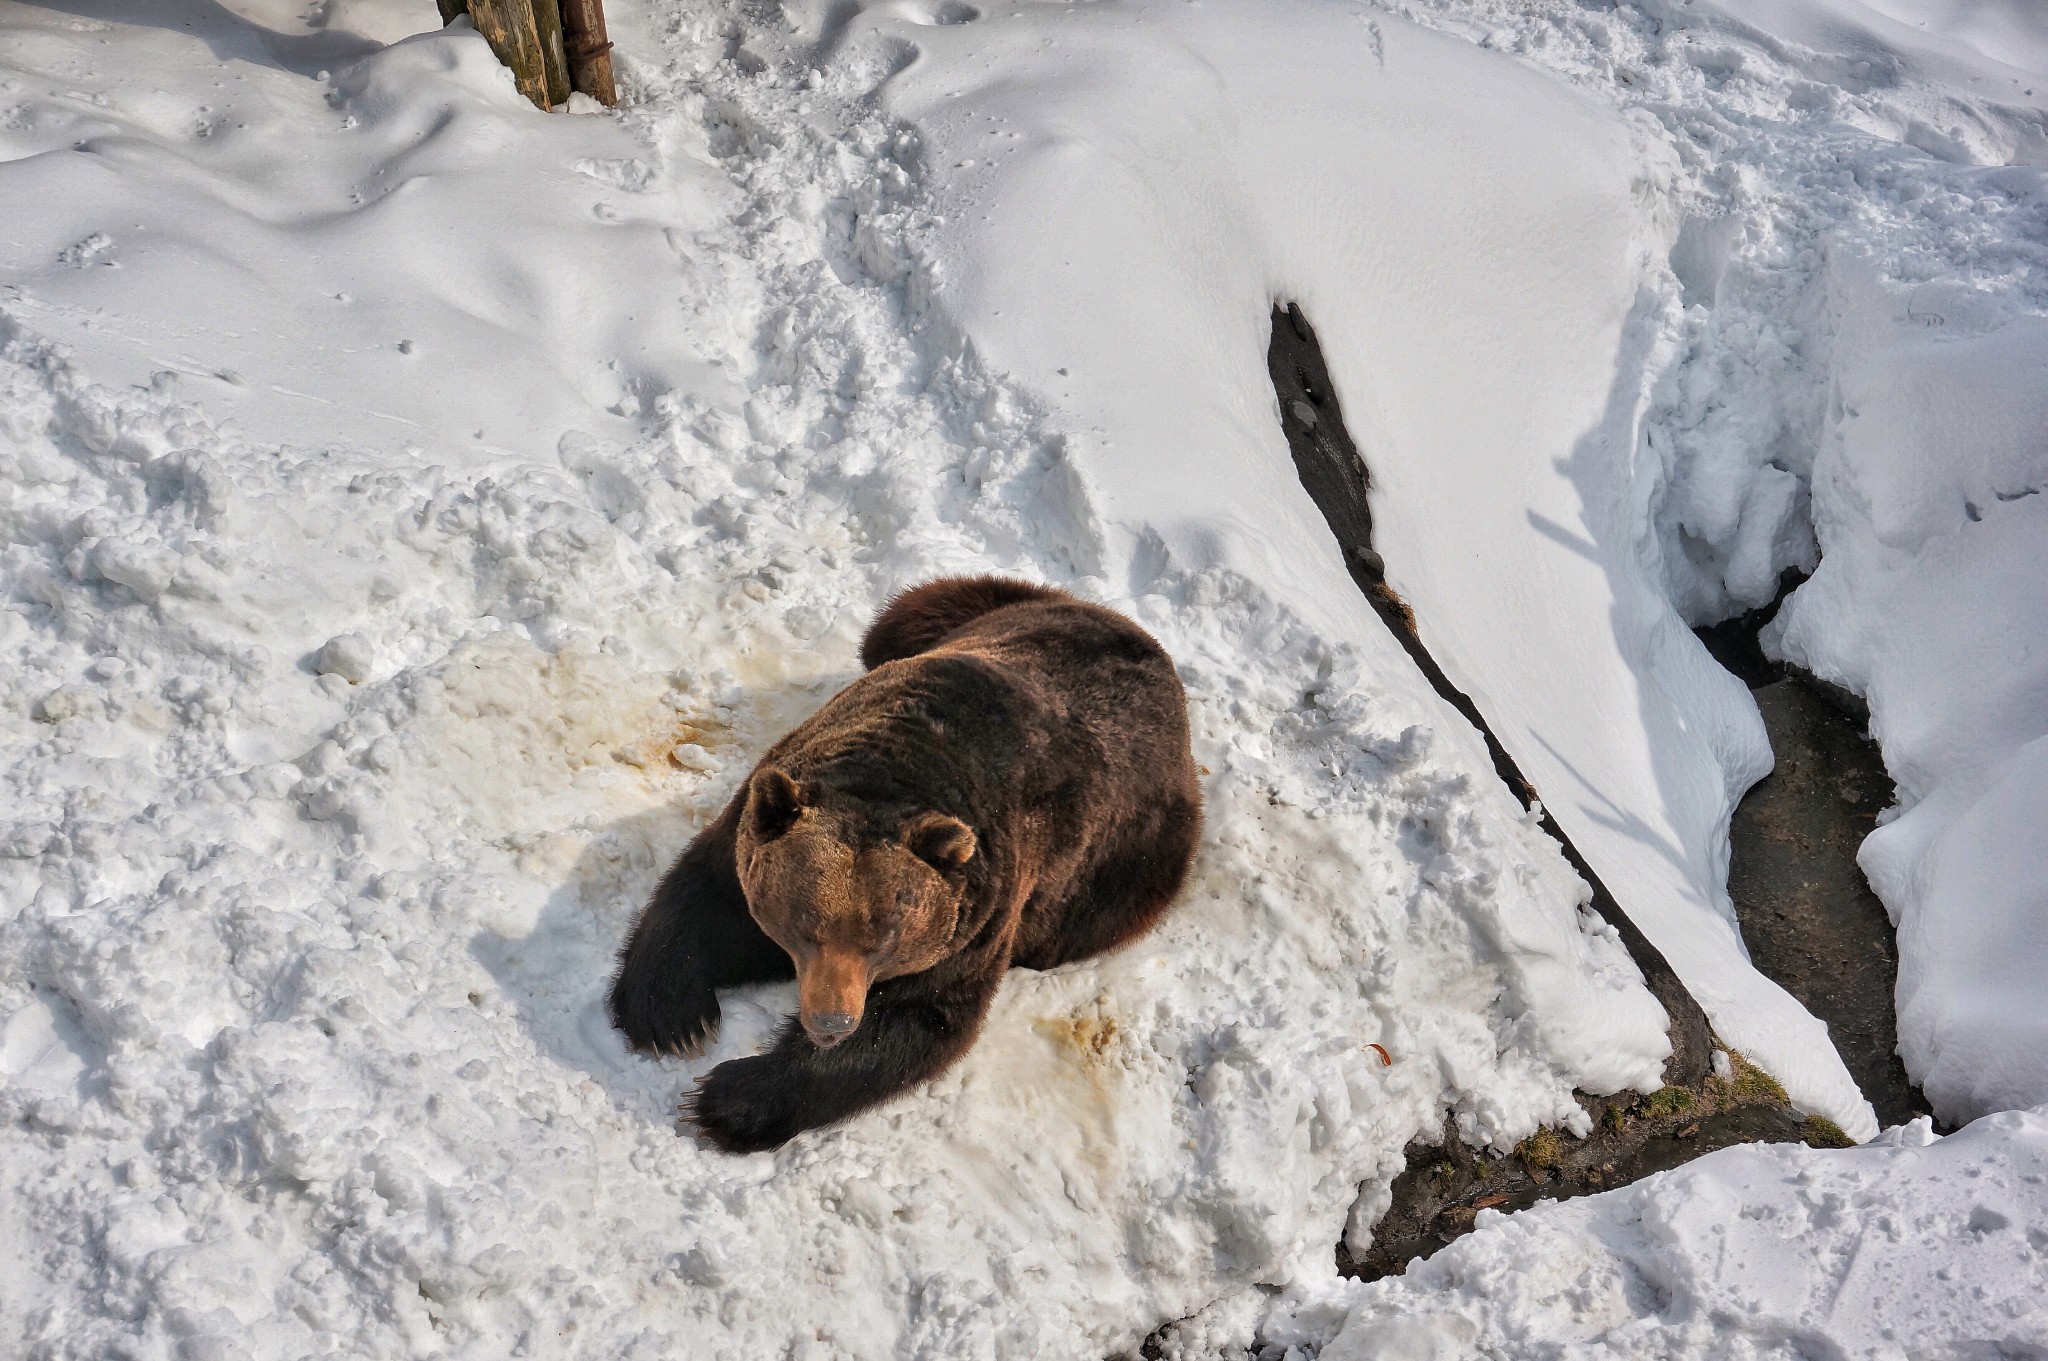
(1010, 783)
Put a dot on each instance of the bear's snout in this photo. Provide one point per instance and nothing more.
(830, 1027)
(832, 991)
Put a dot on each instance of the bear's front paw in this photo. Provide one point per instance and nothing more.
(746, 1105)
(664, 1011)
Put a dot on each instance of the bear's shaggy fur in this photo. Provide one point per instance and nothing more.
(1010, 783)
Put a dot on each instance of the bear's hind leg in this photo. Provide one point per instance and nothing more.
(694, 937)
(1129, 890)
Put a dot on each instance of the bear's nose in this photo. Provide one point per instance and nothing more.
(827, 1028)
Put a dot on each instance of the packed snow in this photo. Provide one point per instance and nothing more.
(419, 510)
(423, 510)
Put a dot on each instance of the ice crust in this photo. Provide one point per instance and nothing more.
(419, 510)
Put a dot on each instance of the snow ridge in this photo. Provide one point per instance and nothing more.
(1908, 1246)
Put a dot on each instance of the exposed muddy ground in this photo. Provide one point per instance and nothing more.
(1447, 1184)
(1810, 919)
(1808, 916)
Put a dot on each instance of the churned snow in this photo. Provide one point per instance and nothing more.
(419, 510)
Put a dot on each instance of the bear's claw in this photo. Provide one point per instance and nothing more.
(688, 1047)
(743, 1106)
(681, 1021)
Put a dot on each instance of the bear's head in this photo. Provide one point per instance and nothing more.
(853, 899)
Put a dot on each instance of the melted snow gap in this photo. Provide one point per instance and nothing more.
(1811, 922)
(1712, 1098)
(1337, 479)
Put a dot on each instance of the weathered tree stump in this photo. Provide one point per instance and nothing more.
(590, 51)
(527, 36)
(551, 46)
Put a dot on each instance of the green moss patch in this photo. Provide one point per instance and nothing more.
(1630, 1136)
(1543, 1149)
(1817, 1131)
(1667, 1101)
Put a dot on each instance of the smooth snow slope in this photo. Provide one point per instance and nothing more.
(418, 510)
(1863, 257)
(1128, 189)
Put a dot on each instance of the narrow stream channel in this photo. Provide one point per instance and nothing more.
(1808, 916)
(1794, 879)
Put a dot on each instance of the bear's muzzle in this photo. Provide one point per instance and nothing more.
(832, 992)
(829, 1028)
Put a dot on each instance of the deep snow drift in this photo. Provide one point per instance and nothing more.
(1486, 273)
(419, 510)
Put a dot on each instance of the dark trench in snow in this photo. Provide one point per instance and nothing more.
(1794, 858)
(1808, 916)
(1337, 480)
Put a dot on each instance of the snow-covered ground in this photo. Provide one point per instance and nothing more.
(1861, 214)
(419, 510)
(1907, 1246)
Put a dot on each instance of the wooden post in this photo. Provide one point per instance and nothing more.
(547, 17)
(590, 51)
(527, 36)
(450, 9)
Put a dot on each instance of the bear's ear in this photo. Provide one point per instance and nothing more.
(943, 843)
(773, 802)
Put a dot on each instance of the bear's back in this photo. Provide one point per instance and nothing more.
(1092, 663)
(1032, 697)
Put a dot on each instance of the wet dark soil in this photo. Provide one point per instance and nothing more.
(1447, 1183)
(1808, 916)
